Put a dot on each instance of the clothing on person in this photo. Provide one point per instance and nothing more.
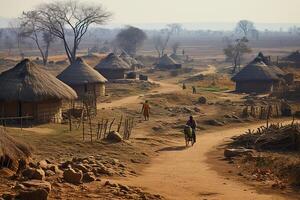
(192, 123)
(146, 110)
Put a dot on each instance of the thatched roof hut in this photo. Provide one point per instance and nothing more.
(293, 57)
(256, 77)
(30, 90)
(83, 79)
(112, 67)
(12, 151)
(166, 62)
(177, 58)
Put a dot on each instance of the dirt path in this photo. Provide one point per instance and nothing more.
(163, 88)
(180, 173)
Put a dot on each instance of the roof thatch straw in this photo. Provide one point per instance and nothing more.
(176, 57)
(257, 70)
(80, 73)
(112, 61)
(293, 57)
(166, 61)
(28, 82)
(12, 151)
(267, 61)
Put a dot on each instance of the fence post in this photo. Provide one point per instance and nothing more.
(83, 130)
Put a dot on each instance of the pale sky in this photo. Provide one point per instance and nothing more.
(182, 11)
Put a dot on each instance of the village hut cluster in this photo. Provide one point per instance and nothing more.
(28, 92)
(261, 76)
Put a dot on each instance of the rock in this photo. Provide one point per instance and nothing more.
(71, 176)
(33, 194)
(55, 169)
(202, 100)
(114, 137)
(187, 110)
(80, 167)
(123, 187)
(196, 109)
(157, 128)
(215, 122)
(88, 177)
(31, 173)
(43, 164)
(49, 173)
(229, 153)
(38, 184)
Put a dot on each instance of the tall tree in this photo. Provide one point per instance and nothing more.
(69, 21)
(235, 51)
(42, 38)
(244, 27)
(130, 39)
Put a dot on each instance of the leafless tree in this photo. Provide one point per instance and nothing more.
(175, 27)
(244, 27)
(8, 44)
(130, 39)
(235, 51)
(69, 21)
(162, 39)
(175, 47)
(42, 38)
(16, 30)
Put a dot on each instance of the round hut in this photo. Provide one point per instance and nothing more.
(166, 62)
(257, 77)
(83, 79)
(113, 67)
(28, 90)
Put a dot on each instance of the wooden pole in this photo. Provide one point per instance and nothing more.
(83, 130)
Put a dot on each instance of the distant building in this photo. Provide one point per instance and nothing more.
(28, 90)
(113, 67)
(166, 62)
(258, 77)
(83, 79)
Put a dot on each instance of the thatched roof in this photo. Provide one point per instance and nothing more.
(257, 70)
(112, 61)
(166, 61)
(13, 149)
(28, 82)
(80, 73)
(293, 57)
(176, 57)
(128, 59)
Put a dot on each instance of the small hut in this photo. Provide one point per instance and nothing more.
(166, 62)
(257, 77)
(130, 60)
(28, 90)
(113, 67)
(177, 58)
(83, 79)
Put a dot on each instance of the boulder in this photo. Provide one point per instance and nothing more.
(32, 173)
(38, 184)
(33, 194)
(202, 100)
(230, 153)
(80, 167)
(88, 177)
(114, 136)
(72, 176)
(43, 164)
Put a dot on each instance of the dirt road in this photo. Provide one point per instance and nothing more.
(163, 88)
(180, 173)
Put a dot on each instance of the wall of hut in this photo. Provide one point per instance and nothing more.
(41, 112)
(111, 74)
(256, 86)
(167, 67)
(97, 89)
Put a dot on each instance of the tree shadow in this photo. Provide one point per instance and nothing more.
(173, 148)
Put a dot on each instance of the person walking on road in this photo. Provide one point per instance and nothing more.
(146, 110)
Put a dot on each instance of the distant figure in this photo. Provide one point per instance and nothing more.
(183, 52)
(146, 110)
(194, 90)
(192, 123)
(183, 86)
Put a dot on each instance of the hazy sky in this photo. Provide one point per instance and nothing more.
(153, 11)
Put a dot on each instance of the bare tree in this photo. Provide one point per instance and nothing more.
(130, 39)
(18, 34)
(162, 39)
(69, 21)
(175, 47)
(176, 28)
(244, 27)
(235, 51)
(8, 44)
(42, 38)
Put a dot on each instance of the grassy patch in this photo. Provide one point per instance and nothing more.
(213, 89)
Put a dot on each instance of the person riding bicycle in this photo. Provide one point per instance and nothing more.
(192, 123)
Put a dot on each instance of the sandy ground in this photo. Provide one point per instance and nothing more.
(180, 173)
